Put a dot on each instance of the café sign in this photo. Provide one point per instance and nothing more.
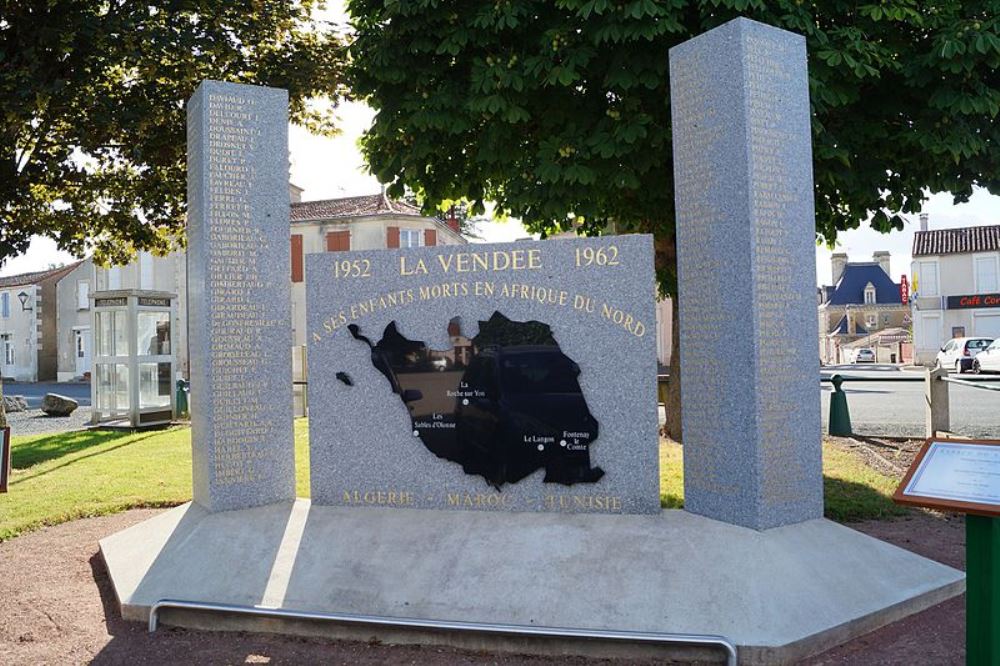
(974, 301)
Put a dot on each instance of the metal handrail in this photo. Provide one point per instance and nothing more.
(918, 378)
(851, 378)
(966, 382)
(446, 625)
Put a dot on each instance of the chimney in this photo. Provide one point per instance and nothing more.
(924, 217)
(838, 261)
(452, 221)
(882, 259)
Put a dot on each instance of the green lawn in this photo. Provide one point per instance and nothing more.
(851, 490)
(61, 477)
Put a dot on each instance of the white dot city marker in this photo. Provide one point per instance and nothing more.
(562, 442)
(541, 447)
(465, 401)
(416, 434)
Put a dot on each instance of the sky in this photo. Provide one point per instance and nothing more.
(333, 167)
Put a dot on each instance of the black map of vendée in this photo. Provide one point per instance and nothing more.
(502, 405)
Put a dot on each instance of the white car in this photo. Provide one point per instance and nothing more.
(959, 353)
(864, 355)
(988, 360)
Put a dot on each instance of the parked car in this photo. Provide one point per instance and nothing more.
(988, 360)
(865, 355)
(959, 353)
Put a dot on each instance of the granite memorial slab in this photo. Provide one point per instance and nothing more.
(507, 386)
(494, 377)
(746, 269)
(239, 296)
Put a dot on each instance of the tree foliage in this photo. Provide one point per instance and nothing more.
(92, 99)
(559, 110)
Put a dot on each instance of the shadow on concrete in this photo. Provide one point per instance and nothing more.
(130, 642)
(239, 567)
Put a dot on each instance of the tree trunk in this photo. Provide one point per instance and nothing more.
(672, 407)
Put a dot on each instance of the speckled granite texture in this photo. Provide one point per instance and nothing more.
(746, 261)
(362, 446)
(239, 296)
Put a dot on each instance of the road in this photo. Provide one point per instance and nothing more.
(79, 391)
(896, 408)
(891, 408)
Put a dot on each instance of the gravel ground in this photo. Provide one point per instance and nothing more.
(36, 422)
(888, 456)
(57, 607)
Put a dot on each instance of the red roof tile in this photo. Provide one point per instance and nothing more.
(36, 276)
(364, 206)
(952, 241)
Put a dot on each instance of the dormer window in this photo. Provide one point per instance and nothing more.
(870, 294)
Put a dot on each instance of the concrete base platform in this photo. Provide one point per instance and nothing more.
(779, 595)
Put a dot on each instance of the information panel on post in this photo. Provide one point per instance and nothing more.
(959, 475)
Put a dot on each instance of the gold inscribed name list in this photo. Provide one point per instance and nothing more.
(698, 133)
(237, 322)
(782, 471)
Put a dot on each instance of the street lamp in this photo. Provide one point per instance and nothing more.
(23, 297)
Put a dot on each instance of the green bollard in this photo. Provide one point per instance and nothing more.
(840, 416)
(182, 397)
(982, 600)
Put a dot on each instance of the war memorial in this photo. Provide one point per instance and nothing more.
(483, 433)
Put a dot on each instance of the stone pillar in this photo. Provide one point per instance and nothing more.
(239, 317)
(750, 397)
(936, 397)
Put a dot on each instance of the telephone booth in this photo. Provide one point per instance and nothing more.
(131, 384)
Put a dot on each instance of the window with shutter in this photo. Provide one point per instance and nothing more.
(927, 272)
(297, 258)
(430, 237)
(987, 274)
(338, 241)
(392, 237)
(410, 238)
(83, 295)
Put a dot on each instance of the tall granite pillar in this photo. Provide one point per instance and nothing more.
(239, 300)
(747, 279)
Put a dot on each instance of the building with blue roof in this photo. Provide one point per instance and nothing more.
(863, 303)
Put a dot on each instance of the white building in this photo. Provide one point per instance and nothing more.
(956, 280)
(368, 222)
(73, 338)
(43, 326)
